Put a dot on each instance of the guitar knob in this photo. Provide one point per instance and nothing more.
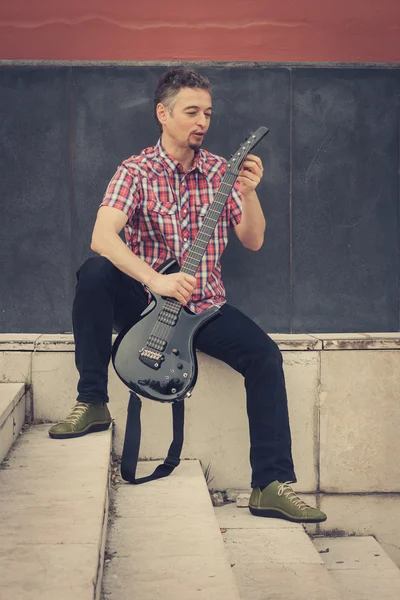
(179, 366)
(175, 351)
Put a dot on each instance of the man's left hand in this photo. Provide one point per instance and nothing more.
(250, 175)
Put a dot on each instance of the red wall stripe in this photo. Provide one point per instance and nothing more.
(246, 30)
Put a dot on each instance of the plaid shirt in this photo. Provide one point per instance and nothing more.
(165, 209)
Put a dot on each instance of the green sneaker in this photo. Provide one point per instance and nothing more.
(84, 418)
(279, 500)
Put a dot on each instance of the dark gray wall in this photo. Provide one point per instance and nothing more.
(330, 192)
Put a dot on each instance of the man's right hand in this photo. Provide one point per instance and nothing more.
(176, 285)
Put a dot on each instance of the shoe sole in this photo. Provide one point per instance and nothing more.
(277, 514)
(93, 427)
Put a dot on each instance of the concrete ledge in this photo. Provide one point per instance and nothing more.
(18, 341)
(53, 511)
(360, 421)
(15, 366)
(165, 541)
(60, 342)
(328, 392)
(294, 341)
(12, 414)
(359, 341)
(219, 392)
(64, 342)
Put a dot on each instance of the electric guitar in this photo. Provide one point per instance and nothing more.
(156, 357)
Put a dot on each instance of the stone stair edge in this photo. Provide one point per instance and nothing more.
(320, 541)
(187, 502)
(360, 566)
(345, 558)
(96, 546)
(288, 554)
(10, 395)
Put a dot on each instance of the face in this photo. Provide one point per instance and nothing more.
(188, 121)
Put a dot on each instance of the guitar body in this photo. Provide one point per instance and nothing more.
(173, 376)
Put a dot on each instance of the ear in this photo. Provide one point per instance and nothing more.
(162, 112)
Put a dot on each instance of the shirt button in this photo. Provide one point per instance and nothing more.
(185, 239)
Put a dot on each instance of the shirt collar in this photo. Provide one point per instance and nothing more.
(173, 165)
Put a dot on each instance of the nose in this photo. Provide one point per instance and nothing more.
(202, 120)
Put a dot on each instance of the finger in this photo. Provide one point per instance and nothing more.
(248, 175)
(190, 279)
(184, 292)
(183, 278)
(256, 159)
(181, 298)
(186, 280)
(256, 172)
(185, 295)
(187, 286)
(247, 184)
(252, 166)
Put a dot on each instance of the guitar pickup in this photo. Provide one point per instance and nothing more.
(168, 317)
(151, 358)
(156, 343)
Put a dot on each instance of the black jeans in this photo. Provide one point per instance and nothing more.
(106, 298)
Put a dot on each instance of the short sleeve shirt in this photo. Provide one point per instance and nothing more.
(166, 208)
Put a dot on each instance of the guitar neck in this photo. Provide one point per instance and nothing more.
(215, 209)
(196, 253)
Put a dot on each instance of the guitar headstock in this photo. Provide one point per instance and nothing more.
(236, 160)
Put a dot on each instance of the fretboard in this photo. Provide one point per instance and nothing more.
(196, 253)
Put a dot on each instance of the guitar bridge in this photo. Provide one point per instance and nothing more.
(151, 358)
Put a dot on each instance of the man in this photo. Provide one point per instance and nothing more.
(160, 197)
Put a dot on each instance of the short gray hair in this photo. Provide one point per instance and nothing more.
(174, 80)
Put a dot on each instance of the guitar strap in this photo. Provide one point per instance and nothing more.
(130, 453)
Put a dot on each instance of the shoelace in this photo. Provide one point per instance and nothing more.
(76, 413)
(291, 495)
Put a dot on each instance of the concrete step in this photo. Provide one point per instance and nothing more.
(165, 541)
(274, 559)
(361, 567)
(12, 414)
(53, 516)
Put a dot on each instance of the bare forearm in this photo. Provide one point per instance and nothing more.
(107, 243)
(112, 247)
(250, 230)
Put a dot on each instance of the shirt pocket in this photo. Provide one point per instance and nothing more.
(162, 221)
(161, 208)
